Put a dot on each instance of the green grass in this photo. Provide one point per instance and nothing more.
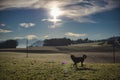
(14, 66)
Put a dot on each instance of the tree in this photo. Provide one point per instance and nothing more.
(9, 44)
(57, 42)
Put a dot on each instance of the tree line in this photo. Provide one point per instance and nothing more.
(8, 44)
(64, 41)
(57, 42)
(67, 41)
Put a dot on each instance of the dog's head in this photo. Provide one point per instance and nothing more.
(72, 55)
(84, 56)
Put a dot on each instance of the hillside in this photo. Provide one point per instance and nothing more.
(85, 47)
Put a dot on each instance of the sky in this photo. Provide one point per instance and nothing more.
(46, 19)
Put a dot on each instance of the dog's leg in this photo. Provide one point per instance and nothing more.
(76, 65)
(73, 65)
(81, 64)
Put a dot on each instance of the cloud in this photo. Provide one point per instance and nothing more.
(77, 10)
(70, 34)
(52, 20)
(5, 31)
(46, 36)
(81, 11)
(55, 23)
(27, 25)
(19, 38)
(30, 37)
(6, 4)
(2, 25)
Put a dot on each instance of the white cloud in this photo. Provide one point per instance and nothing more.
(77, 10)
(2, 25)
(46, 36)
(19, 38)
(80, 10)
(6, 4)
(55, 23)
(70, 34)
(51, 20)
(27, 25)
(5, 31)
(80, 13)
(30, 37)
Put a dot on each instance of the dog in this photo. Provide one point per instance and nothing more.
(78, 59)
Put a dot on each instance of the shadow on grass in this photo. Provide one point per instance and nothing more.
(84, 68)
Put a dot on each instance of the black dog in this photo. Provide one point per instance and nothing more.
(78, 59)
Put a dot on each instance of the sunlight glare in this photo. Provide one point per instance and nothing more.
(55, 12)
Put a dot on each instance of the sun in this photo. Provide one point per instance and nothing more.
(55, 12)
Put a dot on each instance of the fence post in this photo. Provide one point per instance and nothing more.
(114, 60)
(27, 48)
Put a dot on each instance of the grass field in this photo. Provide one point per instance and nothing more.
(15, 66)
